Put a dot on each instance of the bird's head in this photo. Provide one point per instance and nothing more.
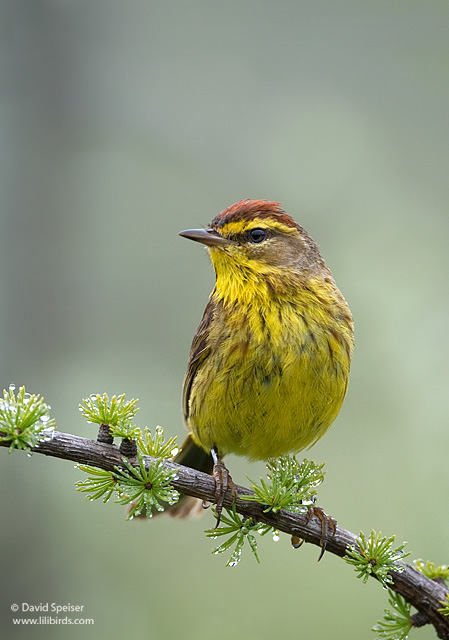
(258, 236)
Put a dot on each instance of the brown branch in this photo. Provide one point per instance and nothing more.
(424, 594)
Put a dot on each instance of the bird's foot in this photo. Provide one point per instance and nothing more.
(223, 482)
(328, 526)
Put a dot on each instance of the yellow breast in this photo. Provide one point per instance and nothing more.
(276, 370)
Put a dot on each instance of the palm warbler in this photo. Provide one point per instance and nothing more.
(269, 365)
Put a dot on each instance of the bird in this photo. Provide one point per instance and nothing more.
(269, 364)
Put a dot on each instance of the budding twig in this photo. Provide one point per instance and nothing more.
(422, 593)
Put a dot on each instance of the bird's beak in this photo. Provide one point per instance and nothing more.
(207, 236)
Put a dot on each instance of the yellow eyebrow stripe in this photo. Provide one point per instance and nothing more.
(235, 228)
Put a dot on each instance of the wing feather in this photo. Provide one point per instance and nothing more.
(199, 351)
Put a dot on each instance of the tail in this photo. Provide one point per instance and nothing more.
(193, 456)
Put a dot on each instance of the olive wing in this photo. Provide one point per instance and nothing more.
(199, 352)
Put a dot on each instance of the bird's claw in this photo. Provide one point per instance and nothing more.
(223, 482)
(328, 526)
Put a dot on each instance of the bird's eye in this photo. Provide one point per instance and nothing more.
(257, 235)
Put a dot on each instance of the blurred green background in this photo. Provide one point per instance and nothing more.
(123, 123)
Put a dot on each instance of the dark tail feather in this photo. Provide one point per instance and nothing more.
(193, 456)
